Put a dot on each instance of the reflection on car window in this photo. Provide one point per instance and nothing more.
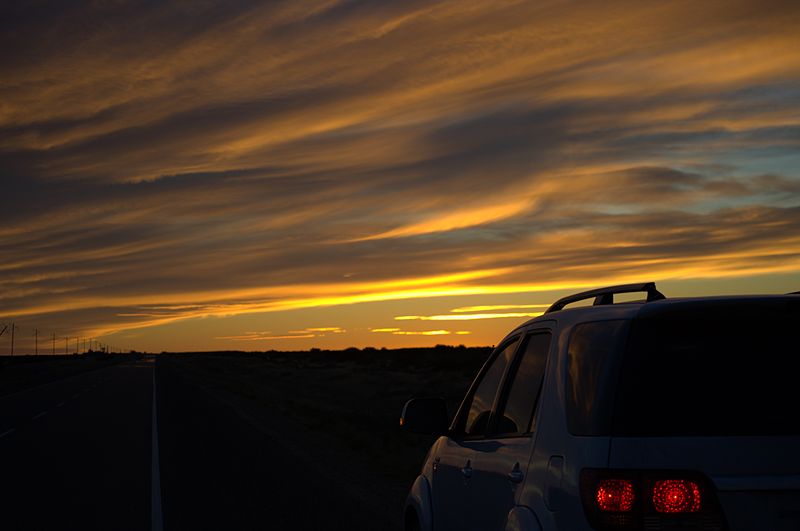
(518, 411)
(593, 357)
(481, 405)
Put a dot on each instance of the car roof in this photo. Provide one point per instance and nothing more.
(758, 305)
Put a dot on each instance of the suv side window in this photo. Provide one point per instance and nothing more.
(593, 357)
(517, 413)
(480, 407)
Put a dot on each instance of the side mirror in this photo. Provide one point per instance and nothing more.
(427, 416)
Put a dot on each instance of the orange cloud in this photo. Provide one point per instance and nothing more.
(466, 317)
(264, 336)
(468, 217)
(399, 332)
(495, 307)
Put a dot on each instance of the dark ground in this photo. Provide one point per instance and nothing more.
(75, 453)
(24, 372)
(245, 441)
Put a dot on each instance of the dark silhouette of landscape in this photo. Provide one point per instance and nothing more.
(243, 439)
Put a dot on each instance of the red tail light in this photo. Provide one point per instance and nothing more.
(623, 499)
(615, 495)
(676, 496)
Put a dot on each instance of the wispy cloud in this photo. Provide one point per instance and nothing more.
(399, 332)
(466, 317)
(307, 333)
(264, 336)
(496, 307)
(321, 330)
(459, 219)
(170, 162)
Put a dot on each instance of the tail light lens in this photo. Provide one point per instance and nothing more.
(649, 499)
(676, 496)
(615, 495)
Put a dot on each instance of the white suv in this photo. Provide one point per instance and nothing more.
(658, 414)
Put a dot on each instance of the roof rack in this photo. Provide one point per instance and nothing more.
(604, 296)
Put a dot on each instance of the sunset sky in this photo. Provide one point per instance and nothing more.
(235, 175)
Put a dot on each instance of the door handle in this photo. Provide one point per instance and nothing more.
(467, 470)
(516, 475)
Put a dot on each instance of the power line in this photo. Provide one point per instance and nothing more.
(81, 343)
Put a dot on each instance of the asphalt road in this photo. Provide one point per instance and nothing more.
(82, 453)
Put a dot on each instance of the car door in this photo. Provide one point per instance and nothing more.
(501, 457)
(452, 465)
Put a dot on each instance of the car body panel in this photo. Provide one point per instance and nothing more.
(494, 493)
(450, 485)
(419, 500)
(757, 478)
(522, 519)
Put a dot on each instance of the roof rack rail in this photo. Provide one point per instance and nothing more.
(603, 296)
(794, 293)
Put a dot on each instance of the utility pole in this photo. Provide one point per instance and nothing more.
(54, 343)
(77, 345)
(36, 341)
(3, 331)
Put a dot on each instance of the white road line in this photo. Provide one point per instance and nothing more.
(40, 415)
(76, 395)
(156, 520)
(12, 430)
(60, 404)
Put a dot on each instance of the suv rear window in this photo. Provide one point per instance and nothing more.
(711, 370)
